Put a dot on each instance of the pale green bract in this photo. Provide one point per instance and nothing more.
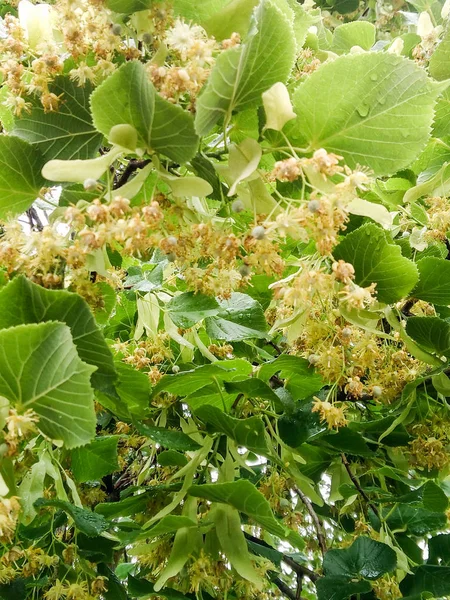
(373, 109)
(242, 74)
(41, 370)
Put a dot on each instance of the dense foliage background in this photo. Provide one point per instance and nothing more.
(224, 300)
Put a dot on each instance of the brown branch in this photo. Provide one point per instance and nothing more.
(290, 562)
(285, 589)
(357, 485)
(33, 217)
(318, 525)
(132, 166)
(298, 593)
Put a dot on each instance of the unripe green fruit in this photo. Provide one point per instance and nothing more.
(245, 270)
(259, 232)
(377, 391)
(313, 205)
(237, 206)
(90, 184)
(117, 29)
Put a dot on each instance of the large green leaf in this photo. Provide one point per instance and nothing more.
(199, 12)
(374, 109)
(365, 558)
(233, 17)
(240, 318)
(434, 281)
(175, 440)
(128, 6)
(340, 588)
(415, 520)
(40, 369)
(140, 588)
(88, 522)
(128, 97)
(249, 433)
(67, 133)
(432, 333)
(242, 74)
(244, 496)
(356, 33)
(440, 61)
(301, 379)
(20, 175)
(95, 460)
(378, 260)
(188, 309)
(22, 301)
(427, 578)
(187, 382)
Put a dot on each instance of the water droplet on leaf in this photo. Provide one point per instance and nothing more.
(363, 110)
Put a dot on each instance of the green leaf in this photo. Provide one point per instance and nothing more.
(22, 301)
(340, 588)
(434, 498)
(129, 397)
(172, 458)
(128, 6)
(187, 382)
(377, 259)
(301, 380)
(357, 33)
(432, 333)
(40, 369)
(417, 521)
(198, 12)
(240, 318)
(129, 507)
(439, 62)
(169, 524)
(233, 17)
(244, 496)
(365, 558)
(140, 588)
(174, 440)
(374, 109)
(128, 97)
(67, 133)
(427, 578)
(242, 74)
(439, 549)
(297, 427)
(349, 441)
(249, 433)
(89, 523)
(253, 388)
(95, 460)
(20, 175)
(434, 282)
(441, 125)
(189, 308)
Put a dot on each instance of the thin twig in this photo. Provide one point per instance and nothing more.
(357, 485)
(33, 217)
(298, 593)
(318, 525)
(131, 167)
(285, 589)
(290, 562)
